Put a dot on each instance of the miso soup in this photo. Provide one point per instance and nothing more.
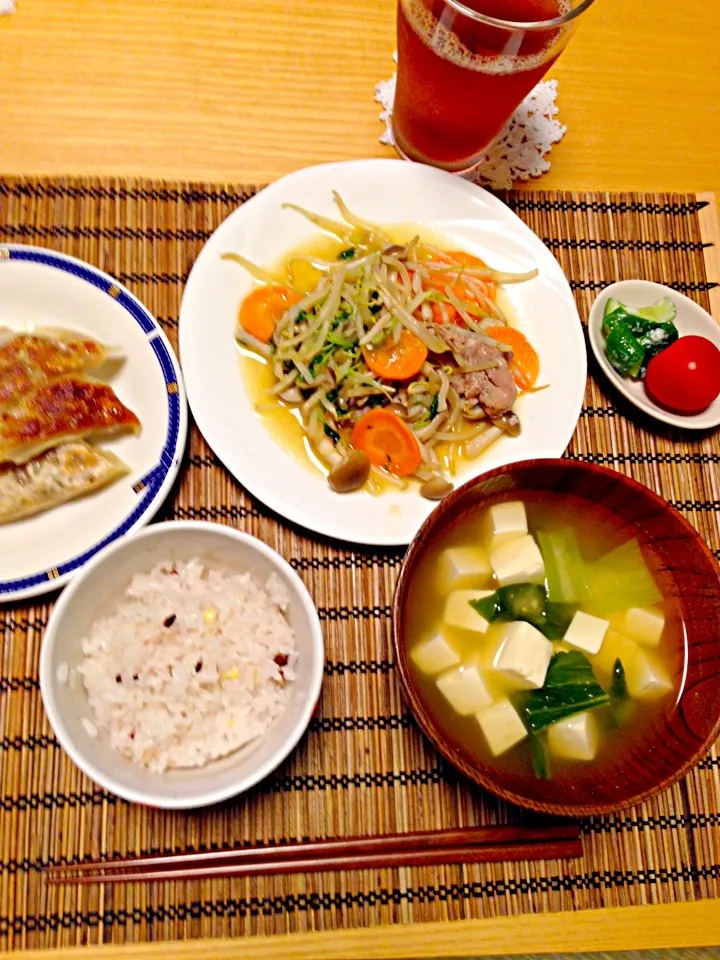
(543, 638)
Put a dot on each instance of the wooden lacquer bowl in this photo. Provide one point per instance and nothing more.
(687, 723)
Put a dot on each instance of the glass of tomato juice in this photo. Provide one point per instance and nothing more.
(463, 69)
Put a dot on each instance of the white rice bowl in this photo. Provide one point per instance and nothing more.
(192, 665)
(219, 652)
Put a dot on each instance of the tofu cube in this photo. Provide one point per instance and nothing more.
(464, 567)
(586, 632)
(646, 678)
(507, 520)
(517, 560)
(524, 655)
(465, 689)
(434, 655)
(489, 647)
(459, 614)
(501, 726)
(576, 738)
(615, 647)
(642, 624)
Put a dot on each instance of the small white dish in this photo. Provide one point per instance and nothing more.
(96, 591)
(386, 192)
(43, 288)
(691, 319)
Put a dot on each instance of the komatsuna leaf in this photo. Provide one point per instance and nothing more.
(528, 602)
(489, 607)
(541, 764)
(564, 566)
(570, 687)
(620, 703)
(619, 580)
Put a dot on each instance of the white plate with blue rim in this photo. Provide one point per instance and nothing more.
(42, 288)
(385, 192)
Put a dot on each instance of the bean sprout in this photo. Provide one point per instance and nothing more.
(324, 349)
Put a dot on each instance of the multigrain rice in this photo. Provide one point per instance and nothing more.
(192, 665)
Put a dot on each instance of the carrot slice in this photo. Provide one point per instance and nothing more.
(397, 361)
(438, 281)
(388, 442)
(261, 310)
(445, 313)
(489, 287)
(525, 364)
(466, 259)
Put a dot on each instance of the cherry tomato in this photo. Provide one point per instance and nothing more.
(685, 376)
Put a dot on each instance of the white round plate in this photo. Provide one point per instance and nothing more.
(386, 192)
(691, 319)
(41, 288)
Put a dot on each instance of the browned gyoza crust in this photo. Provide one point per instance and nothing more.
(72, 408)
(28, 360)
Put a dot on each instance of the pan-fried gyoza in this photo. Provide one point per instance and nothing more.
(30, 359)
(71, 408)
(51, 404)
(62, 474)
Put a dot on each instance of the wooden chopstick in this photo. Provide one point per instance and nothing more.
(462, 845)
(560, 849)
(347, 846)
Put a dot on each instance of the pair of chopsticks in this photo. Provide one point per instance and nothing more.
(462, 845)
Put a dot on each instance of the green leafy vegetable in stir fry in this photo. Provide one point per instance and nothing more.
(395, 354)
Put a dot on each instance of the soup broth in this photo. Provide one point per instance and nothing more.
(621, 725)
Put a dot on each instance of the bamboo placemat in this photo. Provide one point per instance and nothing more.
(363, 767)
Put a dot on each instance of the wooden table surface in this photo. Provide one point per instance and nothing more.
(251, 89)
(657, 928)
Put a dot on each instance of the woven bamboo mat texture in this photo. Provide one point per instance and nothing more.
(363, 767)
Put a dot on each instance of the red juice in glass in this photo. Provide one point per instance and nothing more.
(463, 68)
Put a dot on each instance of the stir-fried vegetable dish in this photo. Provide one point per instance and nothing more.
(397, 356)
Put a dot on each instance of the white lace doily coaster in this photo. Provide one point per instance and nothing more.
(520, 152)
(7, 6)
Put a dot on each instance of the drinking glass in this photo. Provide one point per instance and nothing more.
(463, 69)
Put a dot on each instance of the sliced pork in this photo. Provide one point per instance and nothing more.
(493, 388)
